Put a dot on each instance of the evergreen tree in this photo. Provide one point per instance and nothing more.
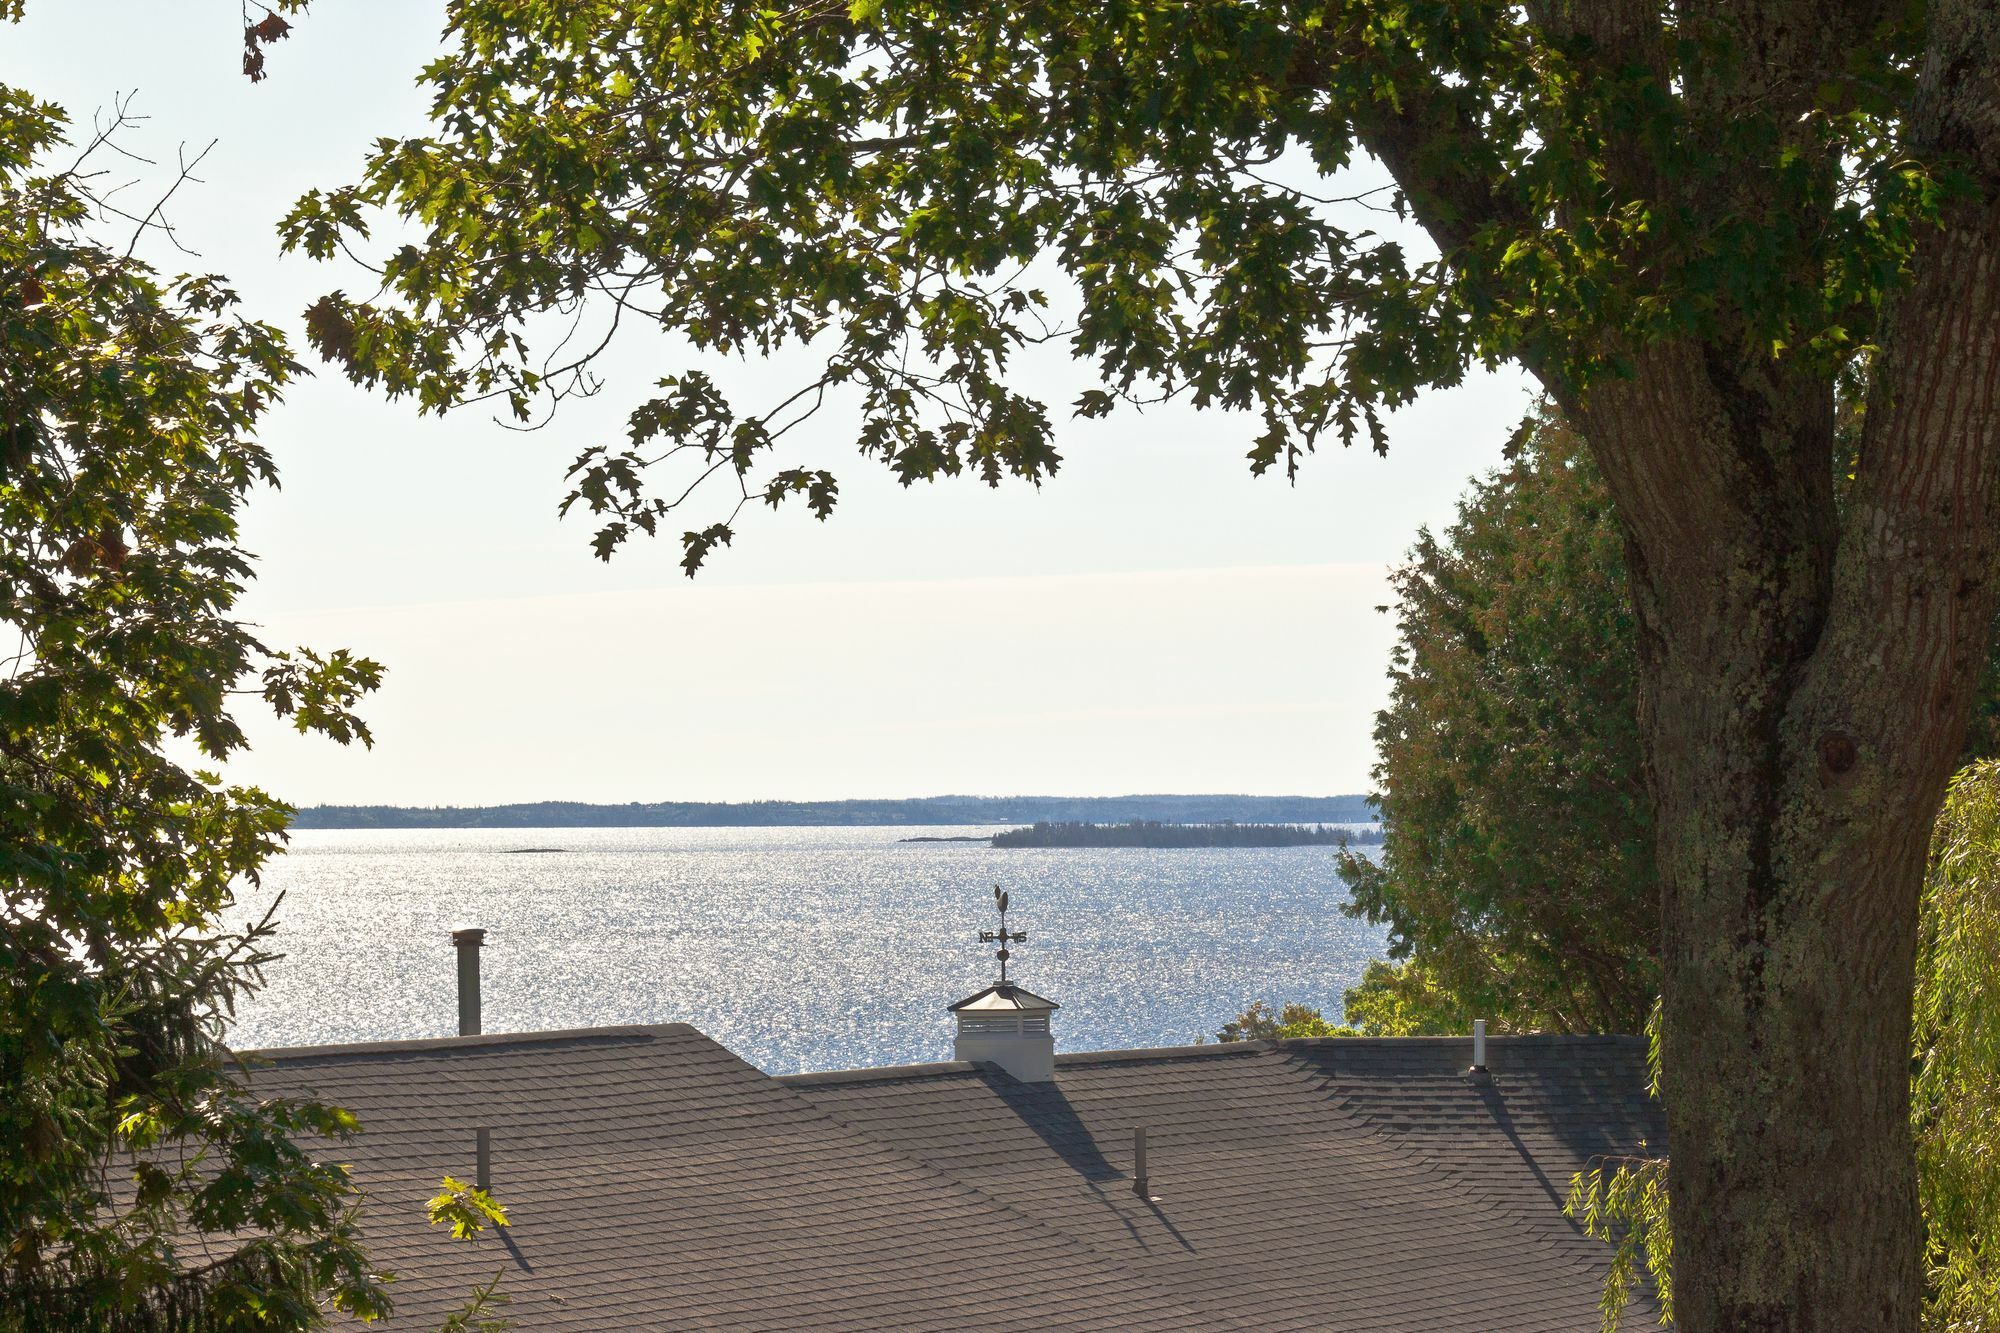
(1517, 871)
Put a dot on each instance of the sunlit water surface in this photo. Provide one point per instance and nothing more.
(797, 948)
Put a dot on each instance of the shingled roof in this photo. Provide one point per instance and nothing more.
(658, 1181)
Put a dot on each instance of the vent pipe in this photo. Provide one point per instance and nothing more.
(482, 1167)
(467, 943)
(1141, 1180)
(1478, 1074)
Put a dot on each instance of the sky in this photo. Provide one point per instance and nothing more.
(1151, 619)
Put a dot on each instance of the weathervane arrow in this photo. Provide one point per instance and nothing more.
(1003, 936)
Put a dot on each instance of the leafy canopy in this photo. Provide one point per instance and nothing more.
(1182, 195)
(127, 447)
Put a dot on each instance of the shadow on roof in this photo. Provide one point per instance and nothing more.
(1496, 1106)
(1043, 1108)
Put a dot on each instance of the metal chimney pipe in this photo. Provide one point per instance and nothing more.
(482, 1170)
(1479, 1043)
(1140, 1186)
(467, 943)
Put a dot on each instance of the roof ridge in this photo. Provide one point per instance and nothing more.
(1202, 1050)
(1199, 1051)
(812, 1078)
(483, 1041)
(1064, 1060)
(1465, 1038)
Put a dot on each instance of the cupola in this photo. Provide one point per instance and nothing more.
(1005, 1024)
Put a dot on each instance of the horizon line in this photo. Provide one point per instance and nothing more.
(852, 800)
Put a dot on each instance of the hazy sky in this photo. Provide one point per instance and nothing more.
(1154, 619)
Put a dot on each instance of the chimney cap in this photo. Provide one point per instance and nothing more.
(473, 935)
(1005, 997)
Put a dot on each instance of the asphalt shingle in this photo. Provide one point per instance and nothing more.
(1331, 1183)
(658, 1181)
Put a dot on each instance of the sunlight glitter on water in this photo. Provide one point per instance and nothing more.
(797, 948)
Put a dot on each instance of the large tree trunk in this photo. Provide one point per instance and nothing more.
(1807, 678)
(1808, 661)
(1808, 667)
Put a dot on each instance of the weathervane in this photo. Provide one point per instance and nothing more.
(1003, 936)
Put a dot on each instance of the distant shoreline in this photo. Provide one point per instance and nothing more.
(1008, 811)
(1154, 834)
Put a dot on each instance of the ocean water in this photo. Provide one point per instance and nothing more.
(797, 948)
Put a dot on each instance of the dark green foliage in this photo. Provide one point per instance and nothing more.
(1518, 874)
(1982, 739)
(128, 406)
(1151, 833)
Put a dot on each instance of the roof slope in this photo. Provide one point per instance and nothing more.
(658, 1181)
(1334, 1183)
(1555, 1103)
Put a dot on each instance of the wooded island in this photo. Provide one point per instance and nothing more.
(1151, 833)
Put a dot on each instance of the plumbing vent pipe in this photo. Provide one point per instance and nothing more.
(482, 1170)
(1140, 1185)
(467, 943)
(1478, 1074)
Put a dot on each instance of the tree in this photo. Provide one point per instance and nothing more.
(1388, 1001)
(143, 1184)
(1687, 222)
(1260, 1022)
(1513, 648)
(1405, 1000)
(1955, 1113)
(1517, 868)
(467, 1211)
(1517, 872)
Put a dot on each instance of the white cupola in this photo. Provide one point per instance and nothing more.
(1009, 1027)
(1006, 1024)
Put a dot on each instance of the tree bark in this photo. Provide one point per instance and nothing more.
(1808, 662)
(1807, 677)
